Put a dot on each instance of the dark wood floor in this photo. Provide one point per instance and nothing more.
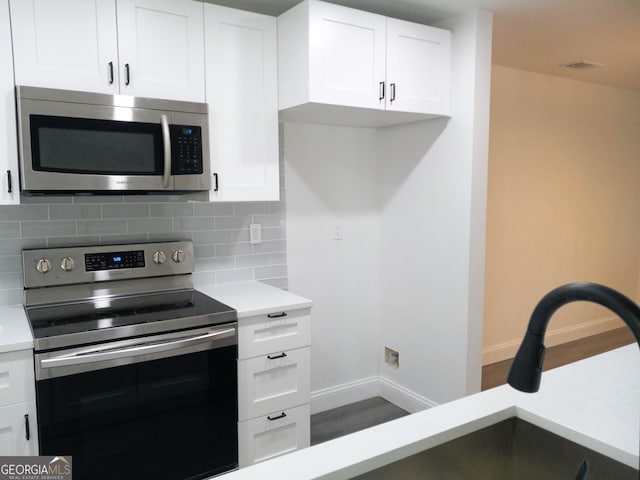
(496, 373)
(351, 418)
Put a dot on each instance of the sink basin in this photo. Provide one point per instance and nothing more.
(512, 449)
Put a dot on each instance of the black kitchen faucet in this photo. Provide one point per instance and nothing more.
(526, 369)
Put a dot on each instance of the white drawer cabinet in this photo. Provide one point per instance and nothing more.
(273, 331)
(18, 428)
(272, 382)
(274, 387)
(274, 434)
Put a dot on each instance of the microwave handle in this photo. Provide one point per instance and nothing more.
(166, 143)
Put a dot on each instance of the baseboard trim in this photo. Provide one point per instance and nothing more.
(334, 397)
(403, 397)
(507, 350)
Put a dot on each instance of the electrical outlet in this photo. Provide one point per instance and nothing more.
(391, 357)
(255, 233)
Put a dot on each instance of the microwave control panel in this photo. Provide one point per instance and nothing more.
(186, 149)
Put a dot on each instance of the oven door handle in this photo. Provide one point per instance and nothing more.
(134, 350)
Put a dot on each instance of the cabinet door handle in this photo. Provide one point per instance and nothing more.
(9, 183)
(111, 77)
(127, 74)
(393, 92)
(215, 182)
(26, 427)
(277, 417)
(381, 91)
(274, 357)
(277, 315)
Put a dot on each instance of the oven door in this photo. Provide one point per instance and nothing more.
(162, 407)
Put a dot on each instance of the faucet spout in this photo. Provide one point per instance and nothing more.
(526, 370)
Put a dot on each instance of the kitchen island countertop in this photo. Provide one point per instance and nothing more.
(594, 402)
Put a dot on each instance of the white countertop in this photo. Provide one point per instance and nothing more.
(594, 402)
(254, 298)
(15, 333)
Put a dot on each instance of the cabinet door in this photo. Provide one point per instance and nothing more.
(242, 93)
(9, 188)
(418, 70)
(18, 430)
(66, 44)
(161, 45)
(347, 50)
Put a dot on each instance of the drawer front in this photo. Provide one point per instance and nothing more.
(282, 330)
(272, 382)
(16, 378)
(274, 434)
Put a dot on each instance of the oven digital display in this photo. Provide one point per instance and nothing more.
(94, 262)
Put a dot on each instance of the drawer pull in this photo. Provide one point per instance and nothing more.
(26, 427)
(277, 315)
(274, 357)
(282, 415)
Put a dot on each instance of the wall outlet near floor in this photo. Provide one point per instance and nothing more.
(391, 357)
(255, 233)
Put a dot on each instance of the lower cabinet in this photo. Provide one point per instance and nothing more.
(18, 430)
(274, 386)
(277, 433)
(18, 420)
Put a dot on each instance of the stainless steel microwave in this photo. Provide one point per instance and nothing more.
(80, 142)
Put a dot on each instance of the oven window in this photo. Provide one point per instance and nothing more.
(173, 418)
(99, 147)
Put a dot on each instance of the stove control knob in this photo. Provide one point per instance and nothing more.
(159, 257)
(43, 265)
(67, 264)
(178, 256)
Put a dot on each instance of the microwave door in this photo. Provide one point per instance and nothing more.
(68, 147)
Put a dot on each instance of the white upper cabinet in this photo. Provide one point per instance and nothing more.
(242, 93)
(65, 44)
(151, 48)
(9, 187)
(418, 68)
(161, 45)
(331, 57)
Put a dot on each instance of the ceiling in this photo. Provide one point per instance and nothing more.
(535, 35)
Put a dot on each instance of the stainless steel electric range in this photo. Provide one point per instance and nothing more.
(136, 372)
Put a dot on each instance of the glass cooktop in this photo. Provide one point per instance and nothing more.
(106, 318)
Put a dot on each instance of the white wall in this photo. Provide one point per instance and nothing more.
(331, 178)
(433, 216)
(409, 272)
(564, 196)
